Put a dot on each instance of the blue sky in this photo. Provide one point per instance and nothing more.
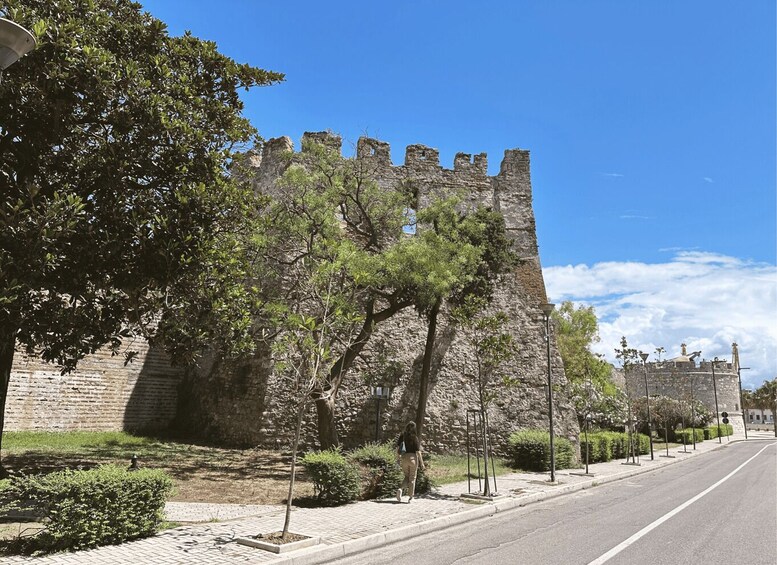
(651, 128)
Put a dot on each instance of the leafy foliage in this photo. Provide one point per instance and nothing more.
(382, 475)
(606, 445)
(83, 509)
(593, 391)
(530, 451)
(118, 215)
(336, 479)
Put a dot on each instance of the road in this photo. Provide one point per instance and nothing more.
(718, 508)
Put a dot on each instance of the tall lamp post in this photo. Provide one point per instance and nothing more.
(379, 393)
(715, 392)
(647, 401)
(546, 310)
(742, 404)
(15, 43)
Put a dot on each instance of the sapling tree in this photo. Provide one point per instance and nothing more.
(492, 348)
(310, 334)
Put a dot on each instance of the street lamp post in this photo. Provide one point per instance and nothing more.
(647, 401)
(15, 43)
(742, 404)
(379, 393)
(715, 392)
(546, 310)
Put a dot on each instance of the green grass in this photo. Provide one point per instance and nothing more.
(445, 469)
(17, 442)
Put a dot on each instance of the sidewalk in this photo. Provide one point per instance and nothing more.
(352, 528)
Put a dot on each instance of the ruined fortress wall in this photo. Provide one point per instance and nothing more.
(243, 404)
(682, 380)
(102, 394)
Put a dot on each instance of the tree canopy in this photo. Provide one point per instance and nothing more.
(117, 211)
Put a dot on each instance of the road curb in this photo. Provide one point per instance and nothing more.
(323, 554)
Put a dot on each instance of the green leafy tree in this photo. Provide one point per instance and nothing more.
(312, 331)
(462, 255)
(593, 391)
(765, 398)
(118, 215)
(328, 212)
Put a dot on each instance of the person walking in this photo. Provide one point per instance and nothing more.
(409, 458)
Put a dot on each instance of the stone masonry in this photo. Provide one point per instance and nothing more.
(242, 404)
(682, 378)
(102, 394)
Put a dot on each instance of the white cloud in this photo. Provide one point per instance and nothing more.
(705, 300)
(612, 175)
(708, 179)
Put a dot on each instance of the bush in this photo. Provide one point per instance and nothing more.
(530, 450)
(380, 472)
(84, 509)
(381, 476)
(711, 432)
(599, 447)
(335, 479)
(686, 435)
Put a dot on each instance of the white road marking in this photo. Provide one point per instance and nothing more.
(644, 531)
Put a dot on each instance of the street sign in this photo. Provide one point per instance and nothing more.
(725, 414)
(725, 420)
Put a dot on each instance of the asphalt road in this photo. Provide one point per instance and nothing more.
(718, 508)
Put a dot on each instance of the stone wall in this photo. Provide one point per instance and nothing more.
(243, 404)
(102, 394)
(683, 380)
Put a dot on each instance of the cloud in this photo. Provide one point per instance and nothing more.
(706, 300)
(634, 217)
(708, 179)
(612, 175)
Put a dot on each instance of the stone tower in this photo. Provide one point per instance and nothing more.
(243, 404)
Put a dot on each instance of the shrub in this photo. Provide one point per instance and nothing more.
(380, 472)
(599, 447)
(335, 479)
(84, 509)
(686, 435)
(711, 432)
(530, 450)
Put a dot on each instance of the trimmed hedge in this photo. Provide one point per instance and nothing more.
(335, 479)
(85, 509)
(530, 451)
(605, 446)
(686, 435)
(711, 432)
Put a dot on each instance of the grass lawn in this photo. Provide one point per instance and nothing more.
(200, 473)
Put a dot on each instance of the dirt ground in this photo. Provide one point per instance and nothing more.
(200, 473)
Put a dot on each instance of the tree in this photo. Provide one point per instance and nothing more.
(325, 212)
(765, 398)
(117, 210)
(593, 390)
(492, 348)
(465, 252)
(312, 332)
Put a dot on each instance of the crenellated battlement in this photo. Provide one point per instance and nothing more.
(509, 192)
(418, 157)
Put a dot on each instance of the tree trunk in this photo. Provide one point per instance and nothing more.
(327, 430)
(7, 343)
(423, 384)
(294, 447)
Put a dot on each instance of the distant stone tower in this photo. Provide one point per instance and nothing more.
(682, 378)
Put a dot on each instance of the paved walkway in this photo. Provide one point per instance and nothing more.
(354, 527)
